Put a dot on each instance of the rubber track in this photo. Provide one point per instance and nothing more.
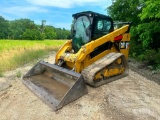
(90, 71)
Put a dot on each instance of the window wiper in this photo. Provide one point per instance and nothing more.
(83, 24)
(84, 27)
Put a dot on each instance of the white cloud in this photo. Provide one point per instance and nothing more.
(21, 10)
(69, 3)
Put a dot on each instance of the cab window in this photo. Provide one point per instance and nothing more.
(103, 26)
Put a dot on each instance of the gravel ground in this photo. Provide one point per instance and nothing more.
(131, 98)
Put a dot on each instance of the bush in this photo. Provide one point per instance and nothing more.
(153, 57)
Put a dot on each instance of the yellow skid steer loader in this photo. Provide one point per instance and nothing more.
(96, 55)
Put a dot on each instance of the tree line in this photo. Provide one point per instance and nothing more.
(145, 30)
(26, 29)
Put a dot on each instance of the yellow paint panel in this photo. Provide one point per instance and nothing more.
(82, 58)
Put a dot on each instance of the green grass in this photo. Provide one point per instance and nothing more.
(1, 74)
(7, 45)
(18, 74)
(15, 53)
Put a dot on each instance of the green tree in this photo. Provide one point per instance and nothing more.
(18, 27)
(27, 29)
(145, 30)
(50, 32)
(150, 26)
(4, 25)
(42, 27)
(149, 32)
(33, 34)
(63, 33)
(126, 10)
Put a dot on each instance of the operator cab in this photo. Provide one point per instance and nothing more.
(89, 26)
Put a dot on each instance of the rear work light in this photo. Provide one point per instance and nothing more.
(118, 38)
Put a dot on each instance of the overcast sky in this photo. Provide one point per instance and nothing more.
(56, 12)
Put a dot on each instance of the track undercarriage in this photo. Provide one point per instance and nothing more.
(109, 68)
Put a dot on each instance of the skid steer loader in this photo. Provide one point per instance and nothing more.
(96, 55)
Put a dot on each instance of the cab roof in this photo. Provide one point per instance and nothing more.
(92, 14)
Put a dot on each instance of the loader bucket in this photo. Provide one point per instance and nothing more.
(54, 85)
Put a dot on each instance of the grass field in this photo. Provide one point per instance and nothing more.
(15, 53)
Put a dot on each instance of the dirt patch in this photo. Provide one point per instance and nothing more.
(144, 70)
(129, 98)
